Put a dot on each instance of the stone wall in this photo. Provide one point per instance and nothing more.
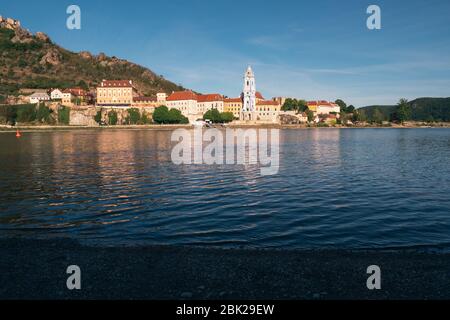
(83, 116)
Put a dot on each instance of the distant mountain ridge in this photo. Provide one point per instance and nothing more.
(33, 61)
(422, 109)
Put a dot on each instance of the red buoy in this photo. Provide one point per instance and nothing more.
(18, 135)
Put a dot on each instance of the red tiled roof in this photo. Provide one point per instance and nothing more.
(233, 100)
(322, 103)
(267, 103)
(209, 97)
(182, 95)
(259, 95)
(117, 83)
(76, 91)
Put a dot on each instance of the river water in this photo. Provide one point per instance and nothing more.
(336, 188)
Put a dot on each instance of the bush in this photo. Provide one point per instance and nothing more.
(216, 117)
(146, 119)
(64, 115)
(112, 118)
(43, 113)
(26, 113)
(134, 116)
(227, 117)
(98, 116)
(161, 115)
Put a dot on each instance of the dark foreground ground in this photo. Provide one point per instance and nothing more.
(31, 269)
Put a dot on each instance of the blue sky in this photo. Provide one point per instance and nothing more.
(307, 49)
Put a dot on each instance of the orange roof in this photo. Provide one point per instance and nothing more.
(267, 103)
(209, 97)
(259, 95)
(322, 103)
(76, 91)
(117, 83)
(233, 100)
(182, 95)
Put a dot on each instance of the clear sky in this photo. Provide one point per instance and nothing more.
(317, 49)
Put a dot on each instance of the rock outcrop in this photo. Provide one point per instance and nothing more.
(42, 36)
(85, 55)
(52, 57)
(9, 23)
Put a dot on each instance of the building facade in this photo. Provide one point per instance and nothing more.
(115, 93)
(185, 101)
(267, 110)
(234, 106)
(323, 107)
(39, 97)
(207, 102)
(56, 94)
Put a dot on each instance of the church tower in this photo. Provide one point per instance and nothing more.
(249, 91)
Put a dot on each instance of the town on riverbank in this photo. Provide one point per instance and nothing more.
(118, 103)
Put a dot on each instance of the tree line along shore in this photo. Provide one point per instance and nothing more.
(424, 112)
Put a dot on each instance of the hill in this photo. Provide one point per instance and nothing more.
(33, 61)
(422, 109)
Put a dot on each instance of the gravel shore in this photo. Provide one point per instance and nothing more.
(36, 269)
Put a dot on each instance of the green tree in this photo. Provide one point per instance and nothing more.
(83, 85)
(302, 105)
(98, 116)
(310, 115)
(350, 109)
(175, 116)
(112, 118)
(294, 105)
(43, 113)
(341, 104)
(289, 105)
(377, 116)
(134, 116)
(403, 110)
(227, 117)
(26, 113)
(161, 115)
(213, 115)
(64, 115)
(359, 116)
(146, 119)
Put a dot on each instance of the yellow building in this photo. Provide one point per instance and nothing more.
(233, 105)
(268, 110)
(115, 93)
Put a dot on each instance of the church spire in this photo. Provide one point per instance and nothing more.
(249, 90)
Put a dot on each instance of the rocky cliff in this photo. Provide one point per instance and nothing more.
(30, 60)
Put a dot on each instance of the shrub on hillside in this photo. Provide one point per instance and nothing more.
(64, 115)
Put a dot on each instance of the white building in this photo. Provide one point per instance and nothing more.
(56, 94)
(185, 101)
(161, 97)
(249, 96)
(39, 97)
(207, 102)
(323, 107)
(66, 97)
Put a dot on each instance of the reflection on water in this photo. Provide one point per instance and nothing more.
(344, 188)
